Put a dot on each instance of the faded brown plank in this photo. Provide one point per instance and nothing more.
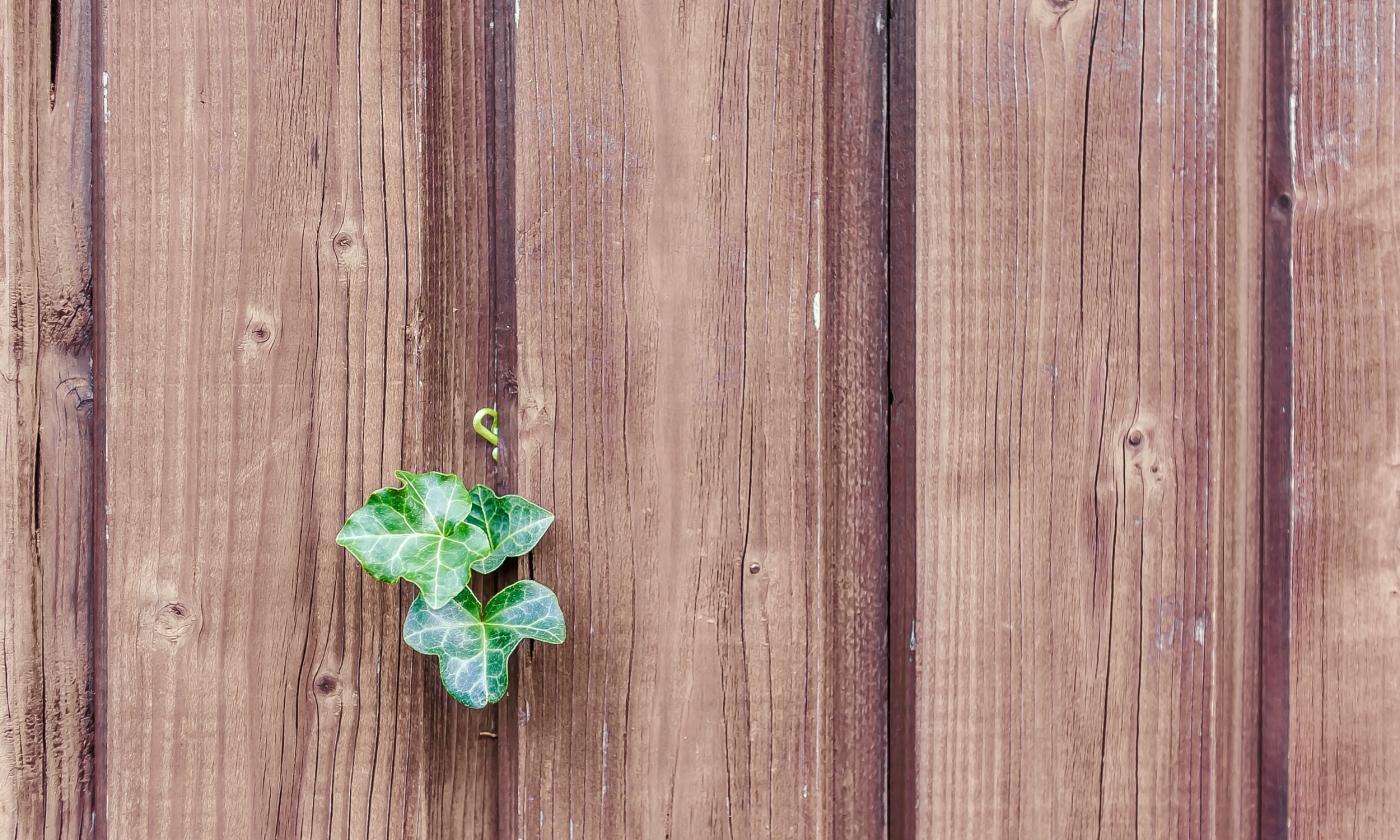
(272, 352)
(1084, 330)
(1344, 115)
(46, 427)
(670, 201)
(1233, 771)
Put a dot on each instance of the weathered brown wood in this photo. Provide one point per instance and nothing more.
(1085, 450)
(46, 428)
(1233, 773)
(273, 350)
(455, 359)
(903, 714)
(1344, 750)
(853, 393)
(1275, 199)
(674, 282)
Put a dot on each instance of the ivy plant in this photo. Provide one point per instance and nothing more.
(433, 532)
(472, 645)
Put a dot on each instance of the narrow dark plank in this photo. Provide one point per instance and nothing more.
(453, 50)
(904, 421)
(1276, 440)
(47, 703)
(854, 394)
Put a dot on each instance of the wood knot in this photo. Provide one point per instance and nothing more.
(753, 568)
(343, 242)
(79, 390)
(327, 684)
(1283, 204)
(258, 333)
(173, 622)
(1059, 6)
(1135, 437)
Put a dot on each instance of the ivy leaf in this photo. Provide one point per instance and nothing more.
(419, 532)
(513, 526)
(473, 645)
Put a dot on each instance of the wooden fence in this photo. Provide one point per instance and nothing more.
(964, 419)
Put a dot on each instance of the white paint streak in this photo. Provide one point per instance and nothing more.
(106, 111)
(817, 310)
(1292, 126)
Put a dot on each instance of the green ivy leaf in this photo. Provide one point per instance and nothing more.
(473, 646)
(513, 526)
(419, 532)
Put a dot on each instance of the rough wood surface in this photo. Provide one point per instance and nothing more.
(671, 302)
(47, 737)
(273, 351)
(455, 353)
(853, 391)
(1083, 460)
(1345, 120)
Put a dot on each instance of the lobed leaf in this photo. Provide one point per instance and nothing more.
(419, 532)
(513, 526)
(473, 645)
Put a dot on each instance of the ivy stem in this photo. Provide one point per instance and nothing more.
(490, 434)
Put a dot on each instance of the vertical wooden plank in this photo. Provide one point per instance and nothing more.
(853, 389)
(1076, 320)
(46, 426)
(1236, 389)
(272, 353)
(1276, 424)
(672, 308)
(903, 197)
(453, 325)
(1344, 121)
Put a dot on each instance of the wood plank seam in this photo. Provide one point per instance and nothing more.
(901, 203)
(1276, 440)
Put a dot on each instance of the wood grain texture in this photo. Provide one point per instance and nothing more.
(272, 351)
(903, 198)
(47, 736)
(1233, 772)
(672, 303)
(1276, 423)
(1344, 111)
(455, 356)
(1083, 461)
(853, 391)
